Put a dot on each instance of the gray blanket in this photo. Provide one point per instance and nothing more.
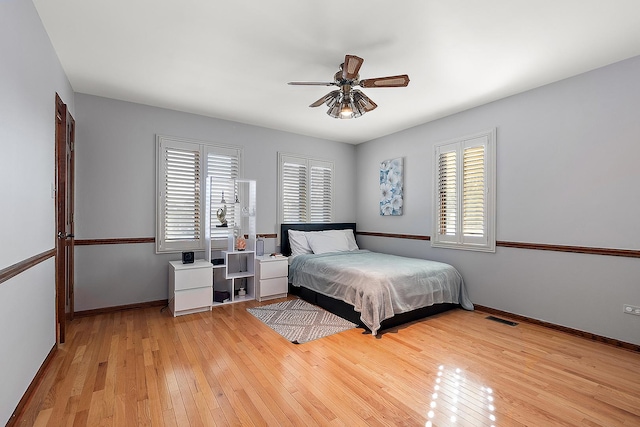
(379, 285)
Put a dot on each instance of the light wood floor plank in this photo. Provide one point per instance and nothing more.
(224, 367)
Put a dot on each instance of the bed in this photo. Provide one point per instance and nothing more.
(376, 291)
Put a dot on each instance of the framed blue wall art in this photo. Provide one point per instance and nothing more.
(391, 191)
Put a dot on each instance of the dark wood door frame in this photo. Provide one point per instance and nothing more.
(71, 169)
(64, 147)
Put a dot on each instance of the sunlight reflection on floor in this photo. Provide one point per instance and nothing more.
(459, 401)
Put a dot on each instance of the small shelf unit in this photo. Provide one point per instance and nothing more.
(237, 273)
(238, 270)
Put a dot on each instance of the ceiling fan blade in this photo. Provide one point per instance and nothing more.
(364, 101)
(325, 99)
(351, 67)
(391, 81)
(312, 83)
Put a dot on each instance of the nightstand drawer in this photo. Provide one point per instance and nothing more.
(194, 278)
(193, 298)
(271, 269)
(275, 286)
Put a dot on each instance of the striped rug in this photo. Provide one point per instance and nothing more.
(299, 322)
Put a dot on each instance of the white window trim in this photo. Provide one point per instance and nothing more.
(204, 148)
(458, 241)
(309, 162)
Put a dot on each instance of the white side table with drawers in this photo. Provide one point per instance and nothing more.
(190, 287)
(271, 277)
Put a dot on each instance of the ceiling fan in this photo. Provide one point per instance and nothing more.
(347, 102)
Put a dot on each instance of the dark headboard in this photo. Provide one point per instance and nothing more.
(284, 231)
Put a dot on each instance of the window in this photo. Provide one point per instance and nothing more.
(305, 189)
(183, 167)
(223, 166)
(464, 193)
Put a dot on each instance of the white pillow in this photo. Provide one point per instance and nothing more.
(351, 239)
(298, 243)
(321, 243)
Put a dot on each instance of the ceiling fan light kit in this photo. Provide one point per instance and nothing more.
(347, 102)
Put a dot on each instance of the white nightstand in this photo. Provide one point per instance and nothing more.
(190, 287)
(271, 277)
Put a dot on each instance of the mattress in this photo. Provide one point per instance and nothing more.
(378, 285)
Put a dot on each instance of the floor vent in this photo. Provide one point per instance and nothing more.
(497, 319)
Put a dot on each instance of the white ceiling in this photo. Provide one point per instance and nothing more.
(232, 59)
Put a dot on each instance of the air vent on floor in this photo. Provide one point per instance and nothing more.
(499, 320)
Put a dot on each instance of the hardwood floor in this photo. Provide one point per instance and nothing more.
(145, 368)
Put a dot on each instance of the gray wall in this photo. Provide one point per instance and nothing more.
(567, 174)
(116, 181)
(30, 76)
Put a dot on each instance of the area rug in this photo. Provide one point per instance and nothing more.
(299, 322)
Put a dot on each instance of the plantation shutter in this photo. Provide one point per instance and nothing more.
(464, 193)
(223, 166)
(306, 189)
(181, 196)
(181, 201)
(321, 198)
(447, 194)
(473, 202)
(294, 191)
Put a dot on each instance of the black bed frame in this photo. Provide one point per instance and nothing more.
(338, 307)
